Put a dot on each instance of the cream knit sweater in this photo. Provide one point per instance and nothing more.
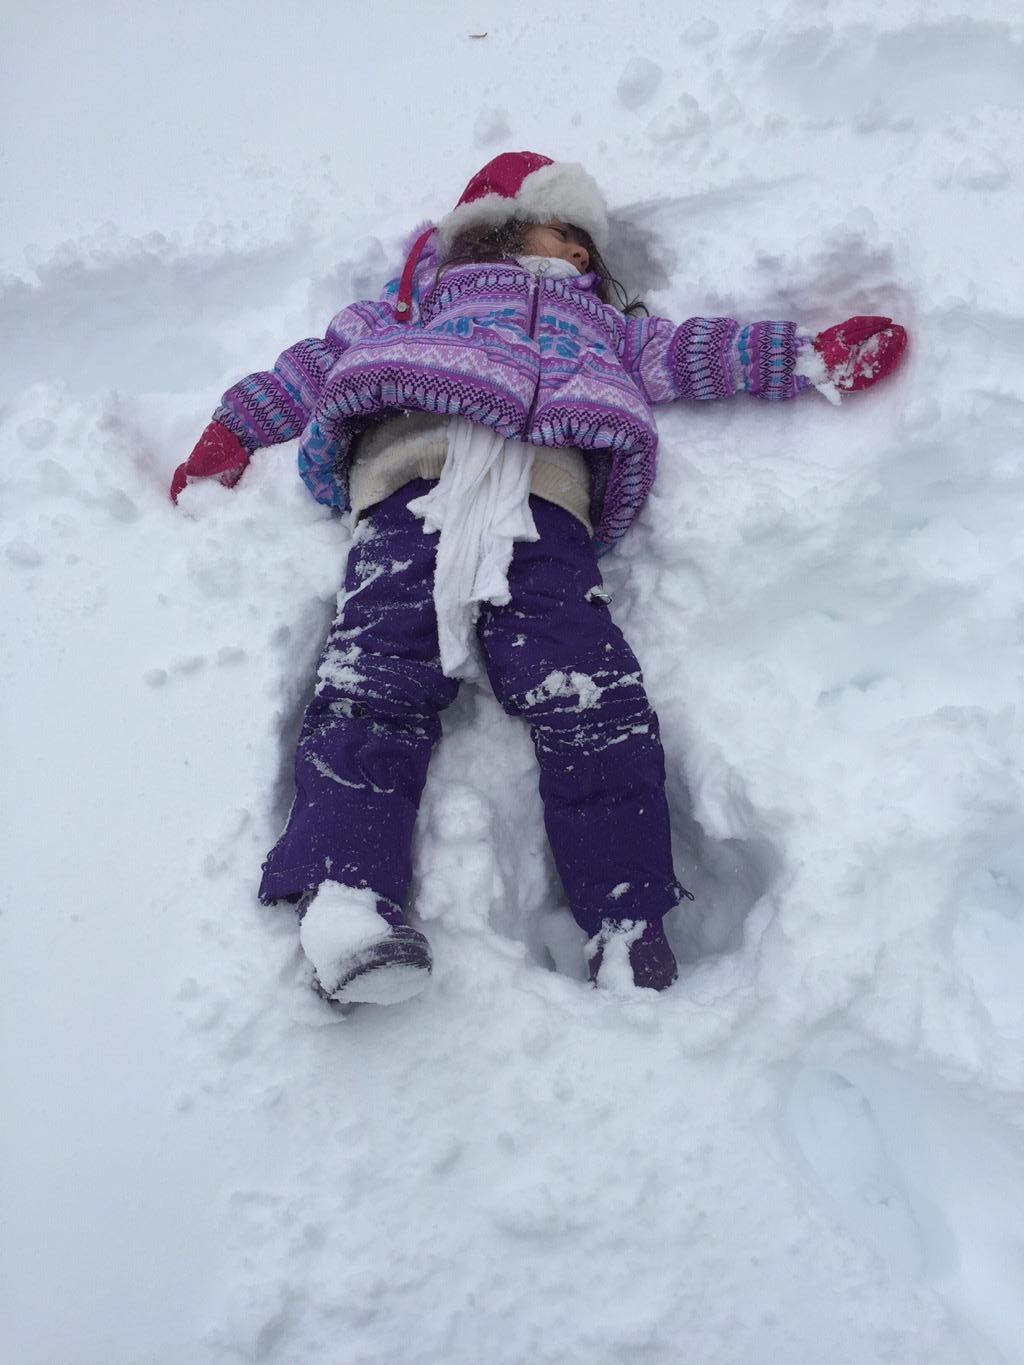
(414, 446)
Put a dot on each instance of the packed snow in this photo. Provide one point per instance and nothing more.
(811, 1149)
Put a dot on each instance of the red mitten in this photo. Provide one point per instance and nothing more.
(218, 454)
(861, 351)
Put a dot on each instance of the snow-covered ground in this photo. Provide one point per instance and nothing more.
(812, 1149)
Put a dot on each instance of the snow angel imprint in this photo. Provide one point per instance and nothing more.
(487, 422)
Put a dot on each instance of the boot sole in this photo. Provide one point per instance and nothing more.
(387, 973)
(383, 985)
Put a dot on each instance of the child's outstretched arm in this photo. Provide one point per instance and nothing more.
(704, 358)
(267, 407)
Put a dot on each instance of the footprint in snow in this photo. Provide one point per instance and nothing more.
(930, 1181)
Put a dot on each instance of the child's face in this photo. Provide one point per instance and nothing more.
(555, 239)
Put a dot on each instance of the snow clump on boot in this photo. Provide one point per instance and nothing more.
(361, 947)
(628, 954)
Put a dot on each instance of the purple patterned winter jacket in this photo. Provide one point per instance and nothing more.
(537, 359)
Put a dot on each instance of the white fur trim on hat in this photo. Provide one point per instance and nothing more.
(562, 190)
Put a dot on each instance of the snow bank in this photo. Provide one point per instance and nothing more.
(811, 1148)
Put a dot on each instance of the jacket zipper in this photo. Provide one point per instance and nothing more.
(537, 282)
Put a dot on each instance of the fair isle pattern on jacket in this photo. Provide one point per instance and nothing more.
(536, 359)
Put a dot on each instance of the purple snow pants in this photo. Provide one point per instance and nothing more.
(553, 656)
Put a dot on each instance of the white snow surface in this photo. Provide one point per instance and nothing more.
(812, 1148)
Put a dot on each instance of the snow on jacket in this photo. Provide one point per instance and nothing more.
(537, 359)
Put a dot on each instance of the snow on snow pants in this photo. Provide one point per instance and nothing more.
(553, 655)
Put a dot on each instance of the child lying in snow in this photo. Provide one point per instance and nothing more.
(489, 422)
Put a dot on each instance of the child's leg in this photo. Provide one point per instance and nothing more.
(555, 657)
(368, 733)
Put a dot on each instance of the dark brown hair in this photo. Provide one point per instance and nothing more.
(505, 242)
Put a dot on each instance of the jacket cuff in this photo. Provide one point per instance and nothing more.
(766, 356)
(238, 429)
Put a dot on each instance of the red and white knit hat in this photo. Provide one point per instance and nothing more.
(532, 188)
(522, 185)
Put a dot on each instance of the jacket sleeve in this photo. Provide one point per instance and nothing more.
(714, 358)
(275, 405)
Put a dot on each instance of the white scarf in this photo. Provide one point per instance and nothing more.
(481, 507)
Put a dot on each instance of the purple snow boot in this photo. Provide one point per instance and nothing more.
(628, 953)
(361, 946)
